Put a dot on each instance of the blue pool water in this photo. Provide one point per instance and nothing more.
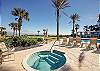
(46, 61)
(88, 40)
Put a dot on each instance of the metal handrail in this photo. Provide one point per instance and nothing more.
(53, 45)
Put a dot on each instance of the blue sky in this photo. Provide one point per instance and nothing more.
(42, 14)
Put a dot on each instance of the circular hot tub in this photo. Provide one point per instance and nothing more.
(44, 61)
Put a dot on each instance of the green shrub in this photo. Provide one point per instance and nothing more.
(39, 39)
(1, 39)
(32, 41)
(8, 41)
(22, 41)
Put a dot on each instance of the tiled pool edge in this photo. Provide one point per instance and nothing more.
(25, 65)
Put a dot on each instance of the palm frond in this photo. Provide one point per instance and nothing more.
(60, 4)
(65, 4)
(75, 17)
(21, 13)
(53, 3)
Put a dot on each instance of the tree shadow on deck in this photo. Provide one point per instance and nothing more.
(96, 52)
(5, 68)
(66, 67)
(85, 49)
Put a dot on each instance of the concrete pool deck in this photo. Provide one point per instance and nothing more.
(90, 63)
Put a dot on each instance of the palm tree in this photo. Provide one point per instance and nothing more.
(38, 32)
(76, 28)
(96, 28)
(86, 28)
(59, 5)
(98, 18)
(91, 27)
(14, 27)
(21, 14)
(74, 18)
(44, 31)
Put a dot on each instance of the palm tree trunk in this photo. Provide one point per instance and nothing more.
(57, 24)
(16, 32)
(73, 27)
(19, 28)
(76, 32)
(19, 32)
(19, 24)
(44, 33)
(13, 32)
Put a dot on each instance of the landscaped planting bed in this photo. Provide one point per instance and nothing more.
(22, 41)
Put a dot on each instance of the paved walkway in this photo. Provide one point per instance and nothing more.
(90, 63)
